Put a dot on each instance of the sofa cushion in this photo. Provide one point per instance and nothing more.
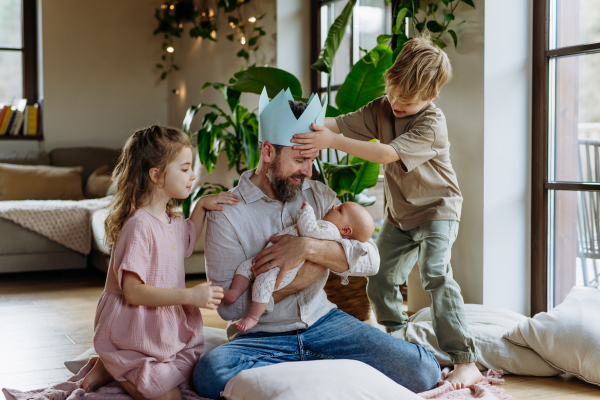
(98, 183)
(90, 158)
(41, 182)
(24, 157)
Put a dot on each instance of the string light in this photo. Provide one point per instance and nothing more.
(180, 26)
(170, 49)
(252, 19)
(243, 40)
(231, 24)
(213, 34)
(172, 7)
(164, 6)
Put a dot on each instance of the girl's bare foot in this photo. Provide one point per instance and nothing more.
(98, 376)
(464, 374)
(246, 323)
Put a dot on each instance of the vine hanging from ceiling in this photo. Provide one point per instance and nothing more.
(202, 19)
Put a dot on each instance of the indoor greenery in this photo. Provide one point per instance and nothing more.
(172, 15)
(349, 176)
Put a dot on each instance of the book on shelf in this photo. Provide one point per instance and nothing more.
(20, 119)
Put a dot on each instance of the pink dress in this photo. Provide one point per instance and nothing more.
(155, 348)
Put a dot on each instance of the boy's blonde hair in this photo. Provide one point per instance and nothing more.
(419, 72)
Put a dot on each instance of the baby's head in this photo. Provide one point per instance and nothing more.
(353, 221)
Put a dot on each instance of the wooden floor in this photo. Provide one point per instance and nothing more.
(47, 318)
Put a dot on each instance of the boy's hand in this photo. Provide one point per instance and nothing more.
(212, 201)
(313, 142)
(304, 203)
(206, 296)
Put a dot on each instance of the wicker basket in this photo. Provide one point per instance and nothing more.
(351, 298)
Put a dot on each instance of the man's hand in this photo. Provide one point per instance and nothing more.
(287, 252)
(307, 275)
(313, 142)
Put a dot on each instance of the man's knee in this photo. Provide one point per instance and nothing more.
(209, 375)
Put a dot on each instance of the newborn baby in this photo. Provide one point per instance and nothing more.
(348, 220)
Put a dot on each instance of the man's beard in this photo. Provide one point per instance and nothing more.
(282, 185)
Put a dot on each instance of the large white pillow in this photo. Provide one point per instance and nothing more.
(323, 380)
(487, 325)
(213, 337)
(568, 337)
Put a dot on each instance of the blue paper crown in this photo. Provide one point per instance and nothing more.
(277, 122)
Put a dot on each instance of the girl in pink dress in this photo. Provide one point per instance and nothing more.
(148, 328)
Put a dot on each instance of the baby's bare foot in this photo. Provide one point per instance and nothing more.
(464, 374)
(97, 377)
(246, 323)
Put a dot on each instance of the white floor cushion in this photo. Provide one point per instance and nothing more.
(308, 380)
(568, 337)
(213, 337)
(487, 325)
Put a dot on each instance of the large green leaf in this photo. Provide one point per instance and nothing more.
(341, 177)
(232, 97)
(364, 83)
(367, 175)
(254, 79)
(249, 132)
(209, 141)
(334, 38)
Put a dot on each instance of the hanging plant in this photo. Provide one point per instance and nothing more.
(172, 15)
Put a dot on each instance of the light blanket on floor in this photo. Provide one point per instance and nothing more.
(71, 390)
(63, 221)
(482, 390)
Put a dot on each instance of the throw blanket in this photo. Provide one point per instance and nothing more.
(63, 221)
(71, 390)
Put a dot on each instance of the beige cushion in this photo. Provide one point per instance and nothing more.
(487, 325)
(322, 379)
(568, 337)
(213, 337)
(98, 183)
(41, 182)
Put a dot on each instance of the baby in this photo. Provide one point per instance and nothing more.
(348, 220)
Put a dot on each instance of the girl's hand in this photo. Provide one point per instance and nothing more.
(212, 201)
(206, 296)
(313, 142)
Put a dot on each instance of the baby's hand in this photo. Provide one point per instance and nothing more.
(212, 201)
(206, 296)
(304, 203)
(313, 142)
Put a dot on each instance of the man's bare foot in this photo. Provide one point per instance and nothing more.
(464, 374)
(98, 376)
(246, 323)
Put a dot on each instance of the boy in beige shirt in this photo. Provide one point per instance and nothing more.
(422, 198)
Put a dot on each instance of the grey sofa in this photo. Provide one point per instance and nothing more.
(24, 250)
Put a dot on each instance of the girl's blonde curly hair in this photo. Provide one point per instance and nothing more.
(419, 72)
(151, 147)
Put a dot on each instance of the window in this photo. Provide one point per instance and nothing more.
(18, 51)
(566, 150)
(370, 19)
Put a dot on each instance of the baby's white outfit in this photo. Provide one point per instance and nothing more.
(307, 225)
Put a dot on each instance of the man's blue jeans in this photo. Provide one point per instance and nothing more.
(337, 335)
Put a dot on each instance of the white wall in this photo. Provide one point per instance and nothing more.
(99, 80)
(487, 106)
(507, 151)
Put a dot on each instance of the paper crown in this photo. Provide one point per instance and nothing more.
(277, 122)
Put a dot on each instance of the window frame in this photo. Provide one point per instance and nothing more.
(29, 51)
(541, 186)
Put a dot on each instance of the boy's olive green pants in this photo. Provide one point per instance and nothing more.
(429, 245)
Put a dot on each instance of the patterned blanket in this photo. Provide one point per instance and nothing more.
(63, 221)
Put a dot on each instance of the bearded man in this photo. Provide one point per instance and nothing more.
(300, 323)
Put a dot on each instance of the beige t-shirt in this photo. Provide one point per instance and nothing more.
(422, 186)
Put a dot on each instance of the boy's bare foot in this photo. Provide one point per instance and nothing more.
(98, 376)
(464, 374)
(246, 323)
